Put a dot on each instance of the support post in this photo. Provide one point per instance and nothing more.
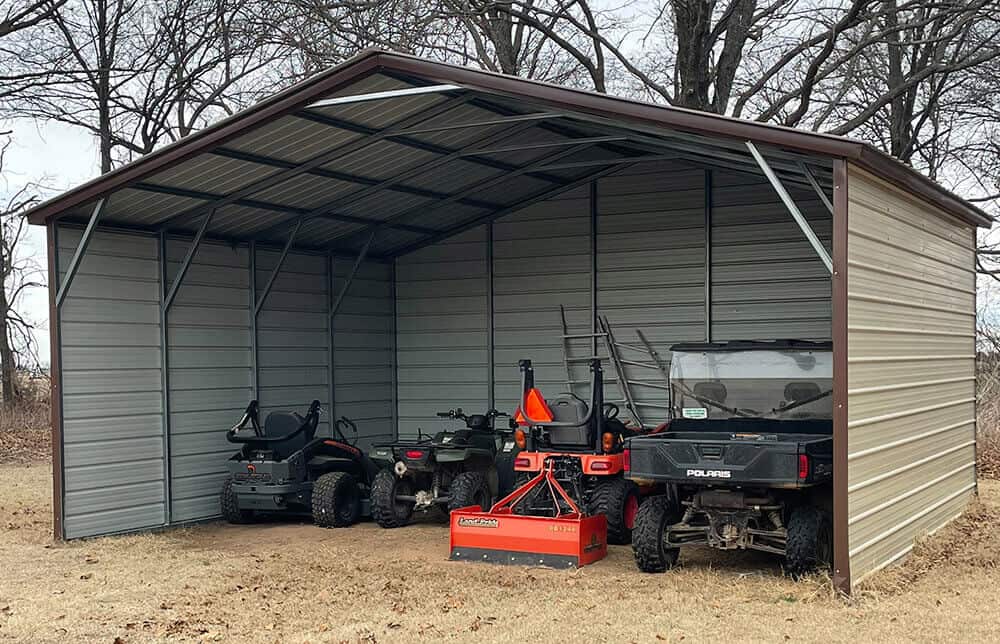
(491, 396)
(81, 248)
(277, 267)
(350, 276)
(708, 255)
(330, 283)
(815, 186)
(593, 268)
(792, 208)
(165, 298)
(252, 310)
(55, 385)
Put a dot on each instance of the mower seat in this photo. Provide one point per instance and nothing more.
(711, 390)
(573, 410)
(279, 423)
(796, 392)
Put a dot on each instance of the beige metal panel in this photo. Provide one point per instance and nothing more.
(911, 371)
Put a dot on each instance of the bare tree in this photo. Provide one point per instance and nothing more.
(19, 273)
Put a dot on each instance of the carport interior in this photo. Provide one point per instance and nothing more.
(392, 249)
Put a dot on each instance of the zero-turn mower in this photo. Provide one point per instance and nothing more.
(282, 467)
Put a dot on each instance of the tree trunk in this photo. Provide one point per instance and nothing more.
(694, 51)
(6, 355)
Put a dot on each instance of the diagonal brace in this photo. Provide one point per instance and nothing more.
(350, 276)
(186, 264)
(81, 248)
(277, 267)
(815, 186)
(792, 208)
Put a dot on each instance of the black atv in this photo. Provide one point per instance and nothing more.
(283, 468)
(450, 470)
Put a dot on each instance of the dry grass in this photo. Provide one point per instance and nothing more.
(298, 583)
(988, 415)
(24, 426)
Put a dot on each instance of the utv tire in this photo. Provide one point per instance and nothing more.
(618, 500)
(386, 510)
(336, 502)
(809, 544)
(648, 548)
(469, 488)
(231, 511)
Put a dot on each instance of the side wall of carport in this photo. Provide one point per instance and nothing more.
(911, 421)
(111, 438)
(632, 245)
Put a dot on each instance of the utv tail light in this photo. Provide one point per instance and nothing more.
(803, 466)
(627, 459)
(414, 453)
(522, 462)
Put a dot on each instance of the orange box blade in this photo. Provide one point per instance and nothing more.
(564, 542)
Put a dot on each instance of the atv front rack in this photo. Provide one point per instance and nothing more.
(503, 535)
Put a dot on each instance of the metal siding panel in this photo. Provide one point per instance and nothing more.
(767, 281)
(114, 470)
(441, 329)
(911, 373)
(363, 359)
(541, 260)
(208, 339)
(651, 266)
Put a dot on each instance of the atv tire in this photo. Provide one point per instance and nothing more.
(336, 502)
(230, 506)
(386, 510)
(808, 545)
(648, 547)
(618, 500)
(469, 488)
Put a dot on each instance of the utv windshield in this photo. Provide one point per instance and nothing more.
(789, 384)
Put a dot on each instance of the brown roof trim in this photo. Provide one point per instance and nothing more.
(576, 100)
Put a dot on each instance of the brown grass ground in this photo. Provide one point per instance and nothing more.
(298, 583)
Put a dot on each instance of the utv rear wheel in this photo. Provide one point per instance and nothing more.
(469, 488)
(387, 510)
(231, 511)
(336, 502)
(618, 500)
(809, 543)
(649, 535)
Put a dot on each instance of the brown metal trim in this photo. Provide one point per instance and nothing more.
(289, 100)
(55, 385)
(841, 544)
(572, 100)
(975, 364)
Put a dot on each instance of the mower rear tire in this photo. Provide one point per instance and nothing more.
(648, 537)
(336, 501)
(808, 545)
(618, 500)
(387, 511)
(469, 488)
(230, 505)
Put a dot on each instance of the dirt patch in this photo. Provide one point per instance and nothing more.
(298, 583)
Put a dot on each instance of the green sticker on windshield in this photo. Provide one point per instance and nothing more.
(698, 413)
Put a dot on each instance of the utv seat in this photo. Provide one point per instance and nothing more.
(715, 391)
(797, 392)
(279, 423)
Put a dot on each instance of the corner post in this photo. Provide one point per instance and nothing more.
(841, 538)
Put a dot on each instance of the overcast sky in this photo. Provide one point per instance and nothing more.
(59, 157)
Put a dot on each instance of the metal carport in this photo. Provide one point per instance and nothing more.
(391, 235)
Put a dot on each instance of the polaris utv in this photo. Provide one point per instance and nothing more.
(283, 468)
(746, 462)
(449, 470)
(584, 444)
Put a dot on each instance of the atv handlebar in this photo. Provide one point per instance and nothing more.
(252, 415)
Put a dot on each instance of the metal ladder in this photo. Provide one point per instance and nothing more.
(642, 356)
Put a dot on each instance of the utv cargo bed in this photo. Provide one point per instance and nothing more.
(782, 454)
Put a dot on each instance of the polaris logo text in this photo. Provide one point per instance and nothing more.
(478, 522)
(710, 474)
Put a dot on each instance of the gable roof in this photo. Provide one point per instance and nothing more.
(220, 163)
